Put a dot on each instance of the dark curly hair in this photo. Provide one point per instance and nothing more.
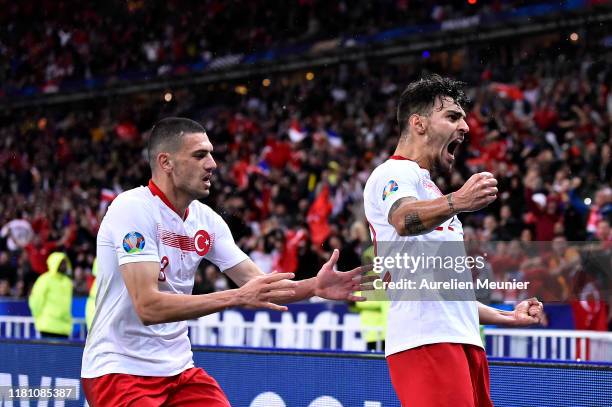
(420, 97)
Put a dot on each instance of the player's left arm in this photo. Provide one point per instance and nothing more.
(328, 284)
(528, 312)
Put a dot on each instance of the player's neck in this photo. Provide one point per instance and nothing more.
(171, 196)
(413, 152)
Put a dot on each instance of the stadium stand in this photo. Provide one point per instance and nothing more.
(67, 44)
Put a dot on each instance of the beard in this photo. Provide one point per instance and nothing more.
(440, 168)
(190, 186)
(195, 192)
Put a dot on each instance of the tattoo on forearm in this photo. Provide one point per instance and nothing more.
(396, 205)
(450, 202)
(413, 224)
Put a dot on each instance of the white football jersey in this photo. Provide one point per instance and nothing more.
(142, 226)
(416, 323)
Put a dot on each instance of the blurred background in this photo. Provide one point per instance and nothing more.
(299, 99)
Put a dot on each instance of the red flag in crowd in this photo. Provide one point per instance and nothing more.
(277, 153)
(287, 262)
(508, 91)
(590, 314)
(106, 197)
(127, 131)
(590, 311)
(296, 132)
(317, 216)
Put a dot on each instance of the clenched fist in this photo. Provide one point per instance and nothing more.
(479, 191)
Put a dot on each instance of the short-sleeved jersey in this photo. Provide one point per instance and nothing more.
(416, 323)
(142, 226)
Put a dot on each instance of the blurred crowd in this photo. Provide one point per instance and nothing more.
(294, 152)
(47, 44)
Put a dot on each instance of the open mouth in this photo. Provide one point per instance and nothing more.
(452, 147)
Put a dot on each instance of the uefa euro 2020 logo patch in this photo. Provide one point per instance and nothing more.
(390, 188)
(133, 242)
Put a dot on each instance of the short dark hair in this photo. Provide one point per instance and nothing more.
(168, 133)
(420, 97)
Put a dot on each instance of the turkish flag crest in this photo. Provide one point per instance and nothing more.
(202, 242)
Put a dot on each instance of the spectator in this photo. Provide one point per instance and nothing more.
(5, 288)
(348, 254)
(264, 254)
(201, 285)
(79, 282)
(545, 215)
(38, 253)
(51, 298)
(19, 291)
(18, 233)
(603, 233)
(7, 270)
(308, 259)
(600, 209)
(491, 231)
(217, 280)
(509, 226)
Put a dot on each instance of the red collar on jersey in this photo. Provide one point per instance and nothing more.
(401, 157)
(158, 192)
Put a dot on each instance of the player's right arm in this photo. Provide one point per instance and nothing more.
(131, 228)
(410, 216)
(155, 307)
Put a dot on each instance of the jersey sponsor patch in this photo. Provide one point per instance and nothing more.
(133, 242)
(390, 188)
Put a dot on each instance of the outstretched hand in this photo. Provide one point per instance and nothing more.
(266, 290)
(528, 312)
(339, 285)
